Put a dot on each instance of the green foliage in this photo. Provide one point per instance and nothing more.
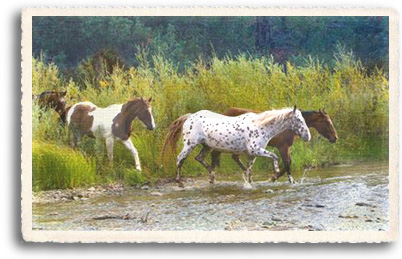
(46, 126)
(60, 167)
(356, 100)
(44, 76)
(183, 40)
(133, 177)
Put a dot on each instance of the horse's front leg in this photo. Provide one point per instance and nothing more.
(288, 165)
(236, 158)
(265, 153)
(130, 146)
(285, 155)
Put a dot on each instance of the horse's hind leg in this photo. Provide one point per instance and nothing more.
(76, 138)
(247, 172)
(180, 160)
(236, 158)
(201, 158)
(109, 148)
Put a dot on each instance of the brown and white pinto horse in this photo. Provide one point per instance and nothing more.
(53, 100)
(319, 120)
(111, 123)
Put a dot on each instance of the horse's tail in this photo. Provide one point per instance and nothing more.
(173, 135)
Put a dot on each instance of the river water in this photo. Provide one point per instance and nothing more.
(344, 197)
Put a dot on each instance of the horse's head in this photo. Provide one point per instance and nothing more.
(60, 106)
(54, 100)
(299, 126)
(323, 124)
(145, 113)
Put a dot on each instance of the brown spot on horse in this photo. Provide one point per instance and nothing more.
(81, 122)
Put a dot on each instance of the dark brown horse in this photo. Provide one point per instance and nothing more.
(319, 120)
(53, 100)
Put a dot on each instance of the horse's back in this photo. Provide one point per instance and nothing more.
(207, 114)
(78, 117)
(208, 117)
(234, 111)
(217, 131)
(106, 115)
(80, 109)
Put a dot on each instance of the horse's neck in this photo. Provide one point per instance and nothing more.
(309, 119)
(277, 126)
(121, 126)
(129, 113)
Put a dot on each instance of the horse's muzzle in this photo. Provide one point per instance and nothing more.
(306, 137)
(333, 140)
(151, 128)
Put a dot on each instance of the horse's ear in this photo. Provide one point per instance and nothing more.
(142, 99)
(294, 109)
(150, 99)
(62, 94)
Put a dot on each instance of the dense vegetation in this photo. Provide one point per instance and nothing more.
(356, 100)
(191, 63)
(184, 40)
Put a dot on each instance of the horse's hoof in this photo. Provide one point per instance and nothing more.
(247, 186)
(138, 169)
(212, 181)
(291, 180)
(180, 184)
(273, 179)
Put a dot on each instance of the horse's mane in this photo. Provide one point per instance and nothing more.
(133, 102)
(308, 113)
(267, 117)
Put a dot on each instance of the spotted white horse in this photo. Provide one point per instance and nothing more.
(111, 123)
(247, 134)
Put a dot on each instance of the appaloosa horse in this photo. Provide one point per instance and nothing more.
(53, 100)
(246, 134)
(112, 123)
(319, 120)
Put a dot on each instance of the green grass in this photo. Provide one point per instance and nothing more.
(357, 102)
(58, 167)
